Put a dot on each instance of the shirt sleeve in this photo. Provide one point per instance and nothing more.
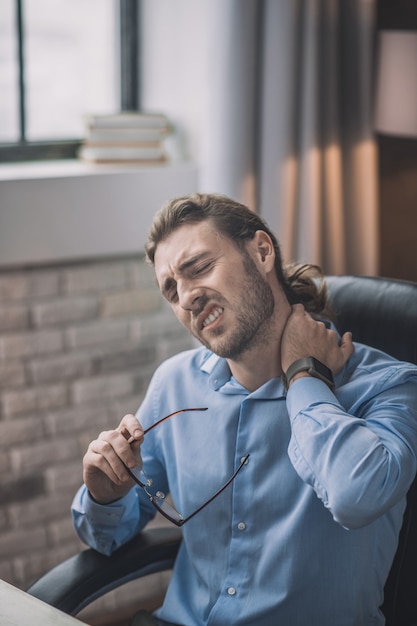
(357, 448)
(106, 527)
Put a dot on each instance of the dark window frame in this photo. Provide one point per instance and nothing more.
(24, 150)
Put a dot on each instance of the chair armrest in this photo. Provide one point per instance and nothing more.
(74, 583)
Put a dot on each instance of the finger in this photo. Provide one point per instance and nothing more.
(114, 445)
(298, 309)
(131, 428)
(345, 352)
(95, 462)
(346, 345)
(111, 461)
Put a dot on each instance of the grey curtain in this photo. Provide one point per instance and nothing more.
(273, 100)
(317, 184)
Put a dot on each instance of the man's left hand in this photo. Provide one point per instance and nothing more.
(303, 336)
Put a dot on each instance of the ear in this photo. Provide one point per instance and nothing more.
(264, 251)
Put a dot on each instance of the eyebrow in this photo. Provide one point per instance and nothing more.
(192, 261)
(183, 267)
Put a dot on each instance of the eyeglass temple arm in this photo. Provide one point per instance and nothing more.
(131, 439)
(218, 492)
(183, 520)
(171, 415)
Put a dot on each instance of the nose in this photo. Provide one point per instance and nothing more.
(188, 296)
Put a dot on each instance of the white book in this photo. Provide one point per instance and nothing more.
(121, 153)
(124, 135)
(127, 120)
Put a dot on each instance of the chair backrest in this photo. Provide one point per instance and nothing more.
(383, 313)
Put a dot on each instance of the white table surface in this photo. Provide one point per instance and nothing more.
(18, 608)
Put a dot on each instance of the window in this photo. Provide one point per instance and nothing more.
(61, 59)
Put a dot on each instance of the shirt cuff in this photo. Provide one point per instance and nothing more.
(109, 514)
(307, 391)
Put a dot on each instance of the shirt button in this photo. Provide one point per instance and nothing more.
(241, 526)
(231, 591)
(243, 459)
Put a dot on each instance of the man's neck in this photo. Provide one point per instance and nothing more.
(252, 377)
(262, 362)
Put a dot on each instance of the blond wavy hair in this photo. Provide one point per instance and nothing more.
(302, 283)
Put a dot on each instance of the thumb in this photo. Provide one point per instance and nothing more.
(346, 345)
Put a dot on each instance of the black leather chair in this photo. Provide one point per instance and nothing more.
(379, 312)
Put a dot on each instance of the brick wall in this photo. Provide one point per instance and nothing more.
(78, 344)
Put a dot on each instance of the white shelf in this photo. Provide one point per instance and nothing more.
(68, 210)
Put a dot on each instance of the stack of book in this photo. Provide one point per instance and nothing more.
(127, 137)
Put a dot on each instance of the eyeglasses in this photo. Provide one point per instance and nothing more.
(159, 498)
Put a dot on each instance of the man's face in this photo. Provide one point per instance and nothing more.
(215, 290)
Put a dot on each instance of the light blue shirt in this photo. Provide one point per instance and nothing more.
(306, 533)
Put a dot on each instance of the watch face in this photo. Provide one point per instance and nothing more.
(320, 367)
(324, 371)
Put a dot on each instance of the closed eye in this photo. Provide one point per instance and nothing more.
(172, 296)
(191, 268)
(201, 269)
(169, 290)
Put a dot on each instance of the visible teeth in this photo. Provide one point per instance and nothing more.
(213, 316)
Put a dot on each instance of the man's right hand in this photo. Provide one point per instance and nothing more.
(104, 470)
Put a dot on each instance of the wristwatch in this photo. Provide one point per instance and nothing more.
(312, 366)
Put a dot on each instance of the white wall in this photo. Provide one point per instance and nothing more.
(193, 55)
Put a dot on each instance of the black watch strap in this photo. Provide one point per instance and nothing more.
(313, 367)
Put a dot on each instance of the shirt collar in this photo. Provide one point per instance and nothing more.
(221, 379)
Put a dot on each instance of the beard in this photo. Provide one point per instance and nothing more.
(255, 307)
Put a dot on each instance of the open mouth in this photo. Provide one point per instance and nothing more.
(213, 316)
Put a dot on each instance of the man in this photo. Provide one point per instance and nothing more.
(319, 434)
